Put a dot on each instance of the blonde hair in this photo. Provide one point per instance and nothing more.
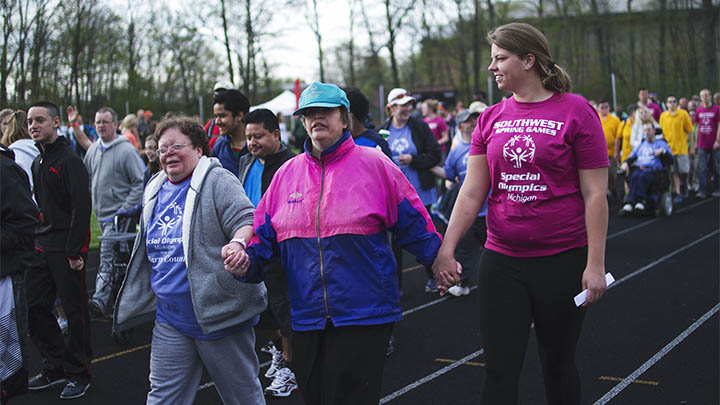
(432, 104)
(523, 39)
(130, 121)
(648, 117)
(17, 128)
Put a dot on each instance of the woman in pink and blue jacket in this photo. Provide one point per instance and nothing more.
(327, 214)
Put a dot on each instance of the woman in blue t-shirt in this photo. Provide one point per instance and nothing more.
(192, 211)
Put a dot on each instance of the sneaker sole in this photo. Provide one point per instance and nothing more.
(283, 394)
(46, 386)
(76, 395)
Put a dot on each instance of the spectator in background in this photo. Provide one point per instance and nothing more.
(4, 116)
(143, 127)
(229, 108)
(683, 104)
(359, 108)
(644, 101)
(716, 98)
(437, 124)
(676, 126)
(284, 133)
(610, 125)
(415, 150)
(693, 181)
(18, 139)
(153, 163)
(62, 192)
(211, 129)
(83, 134)
(128, 128)
(116, 174)
(708, 143)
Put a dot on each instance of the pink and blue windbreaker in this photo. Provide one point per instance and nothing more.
(328, 220)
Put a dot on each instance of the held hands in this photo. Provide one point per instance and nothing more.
(594, 281)
(76, 264)
(447, 272)
(236, 259)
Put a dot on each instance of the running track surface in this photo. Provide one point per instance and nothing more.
(652, 339)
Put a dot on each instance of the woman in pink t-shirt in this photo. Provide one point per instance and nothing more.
(543, 152)
(437, 124)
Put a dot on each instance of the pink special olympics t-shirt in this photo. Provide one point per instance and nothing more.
(534, 152)
(437, 126)
(707, 120)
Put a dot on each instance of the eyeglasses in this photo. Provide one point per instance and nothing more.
(103, 122)
(174, 148)
(672, 101)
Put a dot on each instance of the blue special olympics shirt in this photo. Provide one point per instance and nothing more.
(169, 271)
(401, 142)
(456, 166)
(253, 182)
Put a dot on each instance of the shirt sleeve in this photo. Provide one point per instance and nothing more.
(589, 143)
(477, 145)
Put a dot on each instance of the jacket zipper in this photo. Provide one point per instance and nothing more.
(317, 228)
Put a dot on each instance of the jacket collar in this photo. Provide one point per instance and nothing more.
(60, 141)
(335, 152)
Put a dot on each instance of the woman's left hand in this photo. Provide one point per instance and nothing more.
(236, 259)
(594, 281)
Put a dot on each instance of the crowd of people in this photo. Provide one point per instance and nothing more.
(245, 227)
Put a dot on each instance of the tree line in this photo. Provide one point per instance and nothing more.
(90, 53)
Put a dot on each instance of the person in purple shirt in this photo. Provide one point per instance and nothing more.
(646, 159)
(644, 100)
(544, 154)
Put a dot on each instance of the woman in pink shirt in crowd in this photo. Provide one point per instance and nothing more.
(543, 153)
(437, 124)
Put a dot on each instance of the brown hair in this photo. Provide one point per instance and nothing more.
(188, 127)
(523, 39)
(17, 128)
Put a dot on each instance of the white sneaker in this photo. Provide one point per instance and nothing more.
(639, 206)
(457, 290)
(716, 193)
(627, 207)
(283, 384)
(277, 363)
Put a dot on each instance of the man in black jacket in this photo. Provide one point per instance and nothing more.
(18, 219)
(62, 193)
(267, 154)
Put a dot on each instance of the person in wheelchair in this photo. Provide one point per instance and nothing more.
(645, 165)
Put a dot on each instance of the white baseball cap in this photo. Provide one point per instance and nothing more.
(400, 97)
(224, 85)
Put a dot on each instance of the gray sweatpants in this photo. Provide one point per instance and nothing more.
(176, 365)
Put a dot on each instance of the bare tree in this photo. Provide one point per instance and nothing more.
(395, 13)
(313, 18)
(223, 16)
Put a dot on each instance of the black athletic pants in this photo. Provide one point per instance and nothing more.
(341, 365)
(50, 275)
(515, 292)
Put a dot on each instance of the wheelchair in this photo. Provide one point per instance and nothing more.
(122, 239)
(660, 201)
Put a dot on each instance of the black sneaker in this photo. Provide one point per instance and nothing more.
(74, 389)
(43, 381)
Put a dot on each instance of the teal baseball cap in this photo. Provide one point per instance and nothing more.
(323, 95)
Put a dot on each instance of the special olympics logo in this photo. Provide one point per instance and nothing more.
(399, 145)
(519, 149)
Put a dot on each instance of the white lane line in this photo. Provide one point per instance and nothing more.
(431, 377)
(654, 359)
(431, 303)
(652, 221)
(473, 355)
(662, 259)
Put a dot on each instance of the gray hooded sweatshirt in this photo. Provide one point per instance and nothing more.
(116, 177)
(215, 208)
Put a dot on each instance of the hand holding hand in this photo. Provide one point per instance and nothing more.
(447, 272)
(236, 259)
(594, 281)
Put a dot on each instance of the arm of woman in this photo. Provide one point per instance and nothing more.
(234, 255)
(438, 171)
(593, 183)
(444, 137)
(469, 202)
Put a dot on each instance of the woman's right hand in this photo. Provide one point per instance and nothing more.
(236, 259)
(447, 271)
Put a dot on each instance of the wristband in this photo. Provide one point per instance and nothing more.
(240, 241)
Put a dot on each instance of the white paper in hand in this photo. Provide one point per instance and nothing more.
(582, 297)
